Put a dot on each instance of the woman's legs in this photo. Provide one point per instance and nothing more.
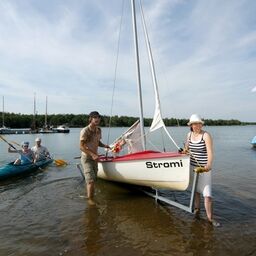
(208, 207)
(197, 200)
(197, 205)
(209, 211)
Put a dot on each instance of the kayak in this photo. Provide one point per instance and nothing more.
(11, 170)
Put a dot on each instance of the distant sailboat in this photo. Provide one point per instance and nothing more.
(46, 128)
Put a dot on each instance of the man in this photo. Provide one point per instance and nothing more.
(90, 140)
(41, 152)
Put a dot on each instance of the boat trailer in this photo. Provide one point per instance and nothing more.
(189, 208)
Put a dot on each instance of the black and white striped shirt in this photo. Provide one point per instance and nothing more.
(198, 152)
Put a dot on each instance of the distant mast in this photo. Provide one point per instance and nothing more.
(34, 116)
(45, 118)
(3, 114)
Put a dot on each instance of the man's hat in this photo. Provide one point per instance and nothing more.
(94, 114)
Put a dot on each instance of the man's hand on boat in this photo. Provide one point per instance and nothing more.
(94, 156)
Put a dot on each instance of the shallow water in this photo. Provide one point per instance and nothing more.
(46, 213)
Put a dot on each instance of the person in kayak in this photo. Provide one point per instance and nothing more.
(40, 152)
(26, 154)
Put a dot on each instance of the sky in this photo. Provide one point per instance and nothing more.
(80, 55)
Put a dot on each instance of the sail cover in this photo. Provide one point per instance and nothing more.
(131, 138)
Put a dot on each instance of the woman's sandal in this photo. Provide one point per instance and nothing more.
(214, 223)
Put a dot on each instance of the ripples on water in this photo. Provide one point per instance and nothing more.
(46, 213)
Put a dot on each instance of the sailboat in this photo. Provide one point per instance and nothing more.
(4, 129)
(46, 128)
(142, 167)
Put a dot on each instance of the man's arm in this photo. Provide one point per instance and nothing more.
(84, 148)
(103, 145)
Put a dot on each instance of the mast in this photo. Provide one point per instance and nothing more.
(138, 74)
(34, 115)
(45, 118)
(3, 114)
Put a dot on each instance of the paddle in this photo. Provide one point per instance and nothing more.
(58, 162)
(8, 142)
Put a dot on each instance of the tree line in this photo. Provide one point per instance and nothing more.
(13, 120)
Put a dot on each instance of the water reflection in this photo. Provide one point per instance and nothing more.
(201, 238)
(92, 219)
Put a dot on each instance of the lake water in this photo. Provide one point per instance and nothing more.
(45, 213)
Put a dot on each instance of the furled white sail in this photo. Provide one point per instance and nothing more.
(157, 120)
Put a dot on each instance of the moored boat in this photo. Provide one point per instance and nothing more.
(62, 129)
(5, 130)
(11, 170)
(47, 130)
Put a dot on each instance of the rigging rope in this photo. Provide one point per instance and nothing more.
(114, 85)
(151, 62)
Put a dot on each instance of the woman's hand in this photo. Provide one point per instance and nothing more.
(208, 167)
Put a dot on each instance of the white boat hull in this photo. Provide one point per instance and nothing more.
(148, 168)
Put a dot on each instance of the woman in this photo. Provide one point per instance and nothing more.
(200, 147)
(26, 154)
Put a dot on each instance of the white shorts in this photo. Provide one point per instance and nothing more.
(204, 183)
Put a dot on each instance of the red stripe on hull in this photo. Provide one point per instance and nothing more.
(148, 154)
